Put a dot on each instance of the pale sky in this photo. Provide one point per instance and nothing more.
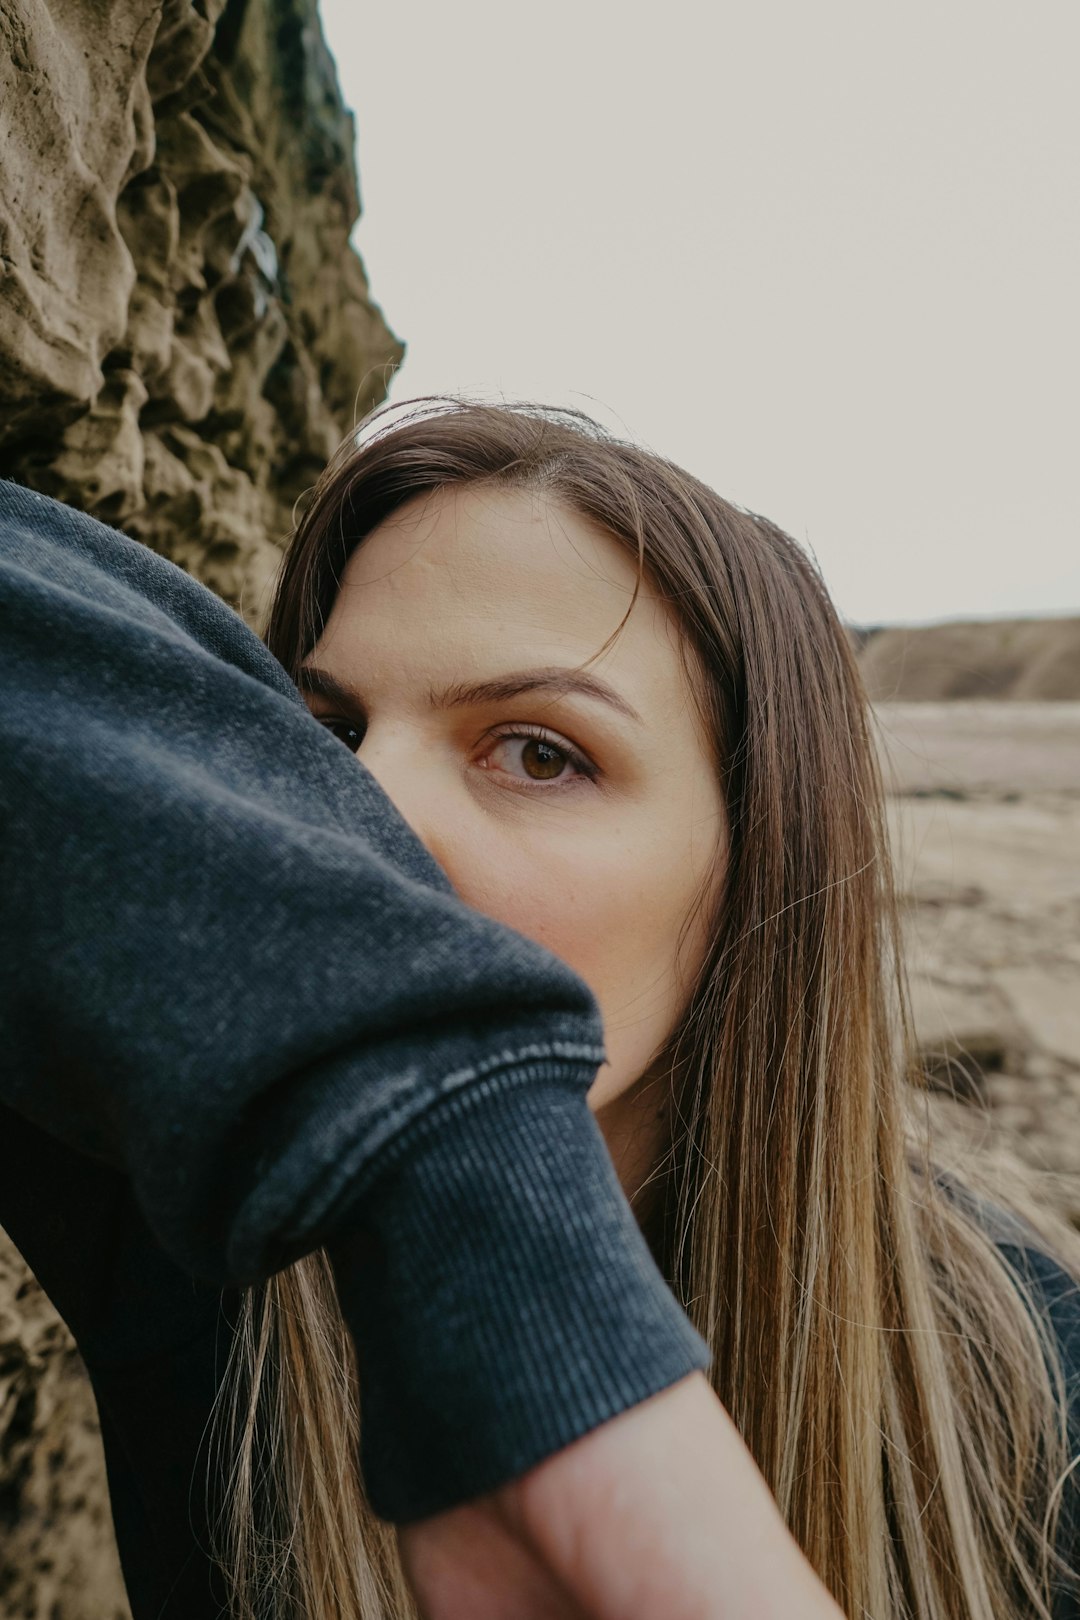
(827, 257)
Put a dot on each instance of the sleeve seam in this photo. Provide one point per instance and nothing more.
(351, 1183)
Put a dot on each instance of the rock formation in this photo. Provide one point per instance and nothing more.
(1021, 660)
(58, 1555)
(185, 336)
(185, 333)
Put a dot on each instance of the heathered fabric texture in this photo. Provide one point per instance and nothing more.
(233, 975)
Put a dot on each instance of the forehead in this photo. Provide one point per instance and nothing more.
(482, 571)
(502, 536)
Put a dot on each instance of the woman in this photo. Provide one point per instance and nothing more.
(245, 1018)
(714, 865)
(694, 826)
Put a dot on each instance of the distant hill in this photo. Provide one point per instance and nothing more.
(1022, 660)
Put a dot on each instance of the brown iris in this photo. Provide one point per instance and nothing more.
(550, 760)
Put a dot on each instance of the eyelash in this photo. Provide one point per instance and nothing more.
(581, 762)
(519, 732)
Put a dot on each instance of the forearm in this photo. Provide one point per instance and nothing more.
(229, 966)
(664, 1511)
(659, 1512)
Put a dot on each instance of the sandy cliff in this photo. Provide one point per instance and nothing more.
(1020, 660)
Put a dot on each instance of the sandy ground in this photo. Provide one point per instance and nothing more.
(985, 818)
(994, 749)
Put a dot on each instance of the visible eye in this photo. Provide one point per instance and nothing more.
(346, 731)
(543, 756)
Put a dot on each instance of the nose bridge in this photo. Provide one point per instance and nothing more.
(406, 772)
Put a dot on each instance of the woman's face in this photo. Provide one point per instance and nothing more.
(586, 819)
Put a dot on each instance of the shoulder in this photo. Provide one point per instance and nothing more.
(1052, 1291)
(1045, 1277)
(1054, 1295)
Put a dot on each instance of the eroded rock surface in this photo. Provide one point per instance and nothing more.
(58, 1558)
(185, 332)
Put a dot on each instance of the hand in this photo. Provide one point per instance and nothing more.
(660, 1512)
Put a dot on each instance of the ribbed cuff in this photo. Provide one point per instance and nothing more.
(500, 1293)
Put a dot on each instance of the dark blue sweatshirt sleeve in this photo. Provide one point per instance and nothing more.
(232, 973)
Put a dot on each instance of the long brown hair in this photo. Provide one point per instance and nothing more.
(873, 1344)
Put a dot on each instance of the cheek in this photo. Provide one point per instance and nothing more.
(610, 908)
(573, 903)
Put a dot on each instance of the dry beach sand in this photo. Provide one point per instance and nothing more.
(984, 813)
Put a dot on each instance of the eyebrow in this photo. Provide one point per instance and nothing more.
(560, 682)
